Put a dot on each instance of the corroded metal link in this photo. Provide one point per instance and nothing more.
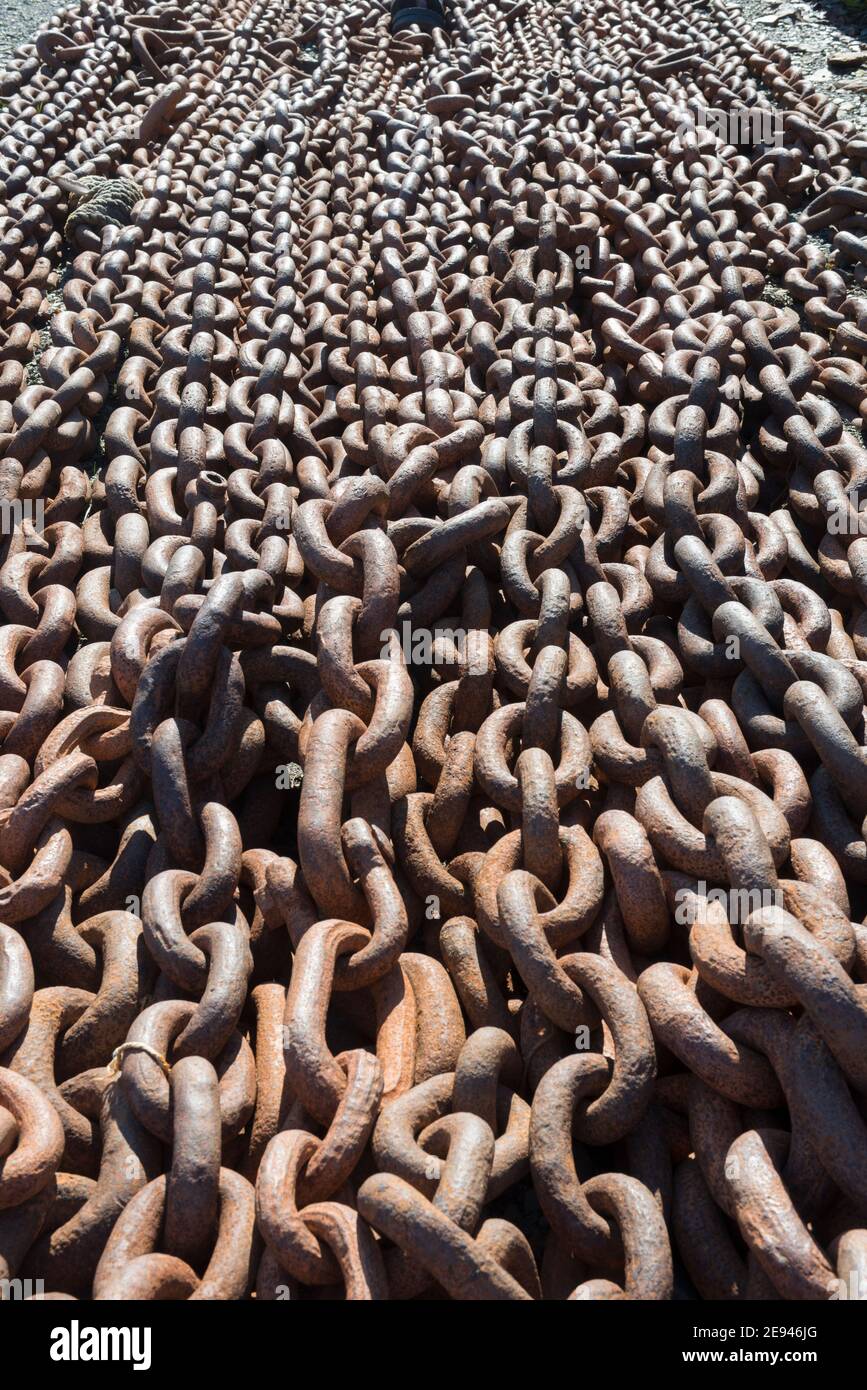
(433, 656)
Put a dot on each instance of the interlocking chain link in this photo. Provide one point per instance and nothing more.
(433, 659)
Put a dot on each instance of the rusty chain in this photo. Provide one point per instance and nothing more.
(433, 660)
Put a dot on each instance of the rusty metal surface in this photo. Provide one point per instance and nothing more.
(433, 657)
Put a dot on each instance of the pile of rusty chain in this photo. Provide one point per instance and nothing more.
(433, 656)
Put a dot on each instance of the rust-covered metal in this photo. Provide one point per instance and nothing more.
(433, 656)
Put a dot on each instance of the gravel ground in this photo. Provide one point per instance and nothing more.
(825, 39)
(20, 19)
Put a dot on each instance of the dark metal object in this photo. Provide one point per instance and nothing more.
(433, 656)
